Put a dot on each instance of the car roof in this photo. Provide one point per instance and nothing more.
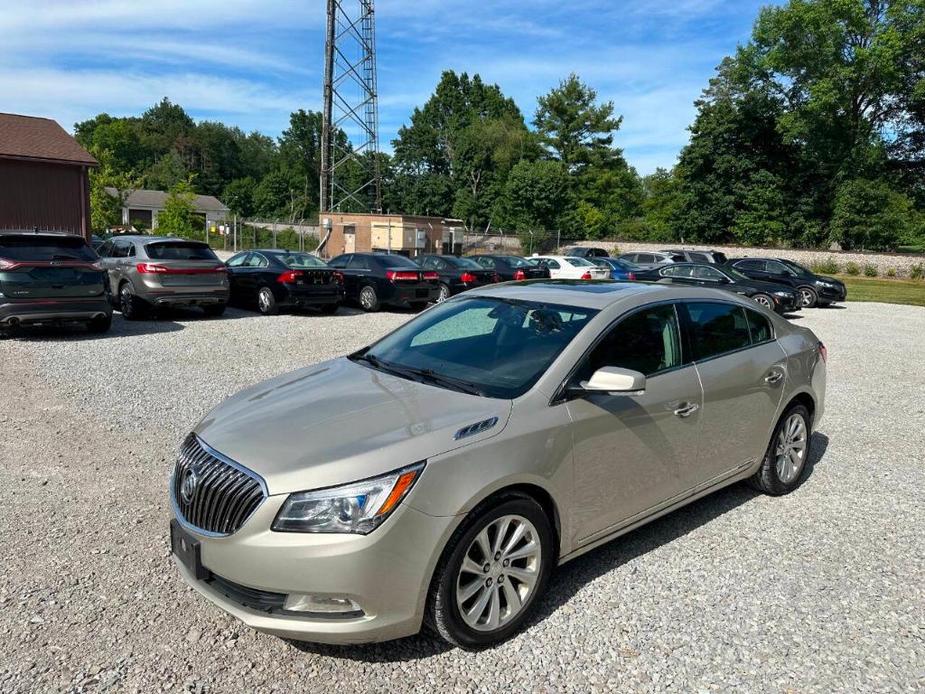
(597, 294)
(40, 232)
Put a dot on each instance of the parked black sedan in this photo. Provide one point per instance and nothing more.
(456, 274)
(814, 290)
(376, 279)
(511, 267)
(773, 296)
(274, 279)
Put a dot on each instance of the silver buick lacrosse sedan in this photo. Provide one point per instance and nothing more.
(437, 477)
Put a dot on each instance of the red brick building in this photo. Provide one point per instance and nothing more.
(44, 177)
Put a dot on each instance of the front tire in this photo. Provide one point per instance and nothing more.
(492, 571)
(808, 297)
(785, 459)
(764, 300)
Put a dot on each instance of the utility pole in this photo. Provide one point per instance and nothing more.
(350, 99)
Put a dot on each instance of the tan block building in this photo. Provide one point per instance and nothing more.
(396, 233)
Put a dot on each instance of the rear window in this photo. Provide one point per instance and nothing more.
(579, 262)
(465, 263)
(45, 248)
(515, 262)
(300, 261)
(179, 250)
(394, 260)
(760, 327)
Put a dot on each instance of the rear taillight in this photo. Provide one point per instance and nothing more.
(520, 275)
(431, 276)
(155, 269)
(586, 276)
(289, 277)
(824, 353)
(150, 268)
(631, 276)
(467, 277)
(401, 275)
(8, 264)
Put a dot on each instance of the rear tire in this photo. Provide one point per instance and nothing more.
(785, 460)
(214, 310)
(808, 297)
(129, 304)
(266, 302)
(369, 301)
(100, 324)
(465, 599)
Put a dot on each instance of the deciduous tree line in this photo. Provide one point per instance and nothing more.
(812, 132)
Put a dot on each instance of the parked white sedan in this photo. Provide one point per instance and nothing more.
(562, 267)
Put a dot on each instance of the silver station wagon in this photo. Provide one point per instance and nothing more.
(438, 476)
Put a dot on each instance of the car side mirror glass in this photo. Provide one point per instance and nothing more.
(613, 379)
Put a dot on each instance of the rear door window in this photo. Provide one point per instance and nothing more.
(179, 250)
(358, 262)
(757, 265)
(699, 257)
(716, 328)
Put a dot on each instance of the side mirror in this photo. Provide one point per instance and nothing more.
(612, 379)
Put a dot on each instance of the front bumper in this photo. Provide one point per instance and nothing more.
(832, 294)
(53, 311)
(387, 573)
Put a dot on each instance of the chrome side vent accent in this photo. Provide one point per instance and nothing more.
(476, 428)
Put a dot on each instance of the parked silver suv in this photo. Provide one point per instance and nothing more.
(147, 272)
(439, 475)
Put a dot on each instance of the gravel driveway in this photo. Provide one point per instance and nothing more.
(821, 590)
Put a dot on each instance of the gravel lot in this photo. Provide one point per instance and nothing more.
(823, 590)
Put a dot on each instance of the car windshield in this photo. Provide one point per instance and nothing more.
(45, 248)
(179, 250)
(299, 261)
(735, 274)
(579, 262)
(798, 269)
(485, 346)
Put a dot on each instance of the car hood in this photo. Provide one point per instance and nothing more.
(338, 422)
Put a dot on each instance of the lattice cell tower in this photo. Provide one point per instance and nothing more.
(350, 177)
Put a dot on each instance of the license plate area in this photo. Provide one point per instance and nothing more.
(187, 549)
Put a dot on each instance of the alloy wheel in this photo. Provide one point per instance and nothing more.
(791, 448)
(444, 294)
(125, 301)
(264, 300)
(499, 573)
(806, 297)
(367, 298)
(764, 301)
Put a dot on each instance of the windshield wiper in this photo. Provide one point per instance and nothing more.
(420, 375)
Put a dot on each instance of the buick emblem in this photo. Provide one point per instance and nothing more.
(188, 484)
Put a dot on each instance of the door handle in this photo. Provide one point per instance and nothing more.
(773, 378)
(686, 409)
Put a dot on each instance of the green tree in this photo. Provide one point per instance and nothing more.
(535, 197)
(166, 172)
(178, 218)
(574, 127)
(239, 196)
(661, 204)
(870, 214)
(106, 208)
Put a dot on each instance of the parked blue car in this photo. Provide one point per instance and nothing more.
(619, 269)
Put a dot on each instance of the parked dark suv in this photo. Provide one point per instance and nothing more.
(51, 279)
(814, 290)
(512, 267)
(456, 274)
(374, 279)
(586, 252)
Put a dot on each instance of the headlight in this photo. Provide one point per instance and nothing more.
(827, 285)
(785, 295)
(358, 507)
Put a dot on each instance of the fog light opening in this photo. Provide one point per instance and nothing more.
(327, 605)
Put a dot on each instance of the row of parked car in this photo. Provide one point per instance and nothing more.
(57, 278)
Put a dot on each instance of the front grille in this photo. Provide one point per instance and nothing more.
(212, 494)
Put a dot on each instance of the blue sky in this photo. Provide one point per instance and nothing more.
(251, 62)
